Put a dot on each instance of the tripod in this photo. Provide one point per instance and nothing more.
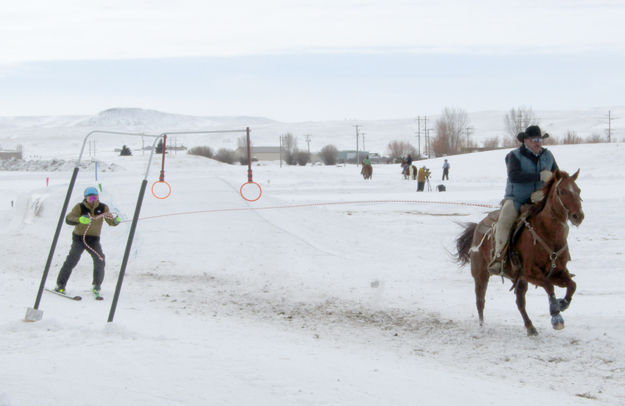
(427, 180)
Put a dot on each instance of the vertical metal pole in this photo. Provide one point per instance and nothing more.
(249, 155)
(56, 237)
(162, 177)
(131, 235)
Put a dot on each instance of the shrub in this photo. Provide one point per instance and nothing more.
(302, 157)
(125, 151)
(329, 154)
(226, 156)
(202, 151)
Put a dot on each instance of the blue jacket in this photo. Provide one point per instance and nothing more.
(524, 169)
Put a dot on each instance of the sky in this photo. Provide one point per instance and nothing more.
(305, 60)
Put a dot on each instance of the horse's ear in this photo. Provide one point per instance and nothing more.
(574, 177)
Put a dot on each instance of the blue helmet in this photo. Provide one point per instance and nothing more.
(91, 191)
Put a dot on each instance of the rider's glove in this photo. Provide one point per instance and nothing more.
(537, 196)
(546, 175)
(84, 220)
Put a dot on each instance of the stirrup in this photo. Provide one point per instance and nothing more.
(495, 267)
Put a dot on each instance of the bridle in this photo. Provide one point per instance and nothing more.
(553, 255)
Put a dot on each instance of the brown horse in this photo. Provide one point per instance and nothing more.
(410, 172)
(366, 171)
(538, 251)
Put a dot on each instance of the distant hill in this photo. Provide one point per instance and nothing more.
(376, 134)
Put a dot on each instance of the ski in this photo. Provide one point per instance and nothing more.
(64, 295)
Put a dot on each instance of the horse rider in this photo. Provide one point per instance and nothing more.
(408, 163)
(529, 167)
(366, 161)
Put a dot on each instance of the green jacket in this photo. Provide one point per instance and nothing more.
(85, 208)
(366, 161)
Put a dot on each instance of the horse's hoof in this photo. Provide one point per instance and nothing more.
(532, 331)
(557, 322)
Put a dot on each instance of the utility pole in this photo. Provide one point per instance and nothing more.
(469, 130)
(419, 137)
(363, 142)
(427, 136)
(357, 139)
(308, 142)
(281, 151)
(609, 126)
(427, 141)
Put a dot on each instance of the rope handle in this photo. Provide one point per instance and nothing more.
(107, 215)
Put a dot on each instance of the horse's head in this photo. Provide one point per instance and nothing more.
(566, 193)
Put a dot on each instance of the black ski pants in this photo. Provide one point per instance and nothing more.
(78, 246)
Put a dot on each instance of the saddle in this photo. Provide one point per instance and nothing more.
(511, 258)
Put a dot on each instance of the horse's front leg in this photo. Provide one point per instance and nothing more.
(570, 290)
(554, 308)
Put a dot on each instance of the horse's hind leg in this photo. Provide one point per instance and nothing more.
(481, 284)
(520, 290)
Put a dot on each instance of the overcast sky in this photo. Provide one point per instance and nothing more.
(310, 60)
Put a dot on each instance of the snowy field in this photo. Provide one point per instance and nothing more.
(320, 304)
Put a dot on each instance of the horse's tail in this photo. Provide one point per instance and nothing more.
(464, 242)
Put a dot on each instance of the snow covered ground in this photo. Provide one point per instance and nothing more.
(319, 304)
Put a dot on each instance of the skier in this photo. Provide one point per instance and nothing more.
(87, 218)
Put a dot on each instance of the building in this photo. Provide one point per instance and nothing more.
(8, 154)
(262, 153)
(351, 156)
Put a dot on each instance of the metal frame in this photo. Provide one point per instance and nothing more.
(34, 313)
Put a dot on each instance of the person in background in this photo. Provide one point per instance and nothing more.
(529, 167)
(366, 161)
(446, 167)
(87, 218)
(407, 164)
(422, 177)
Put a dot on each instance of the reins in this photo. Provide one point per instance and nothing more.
(553, 255)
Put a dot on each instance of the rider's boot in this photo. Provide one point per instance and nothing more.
(507, 216)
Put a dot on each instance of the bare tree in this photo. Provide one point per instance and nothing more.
(595, 138)
(399, 149)
(289, 146)
(329, 154)
(516, 121)
(449, 130)
(491, 143)
(571, 138)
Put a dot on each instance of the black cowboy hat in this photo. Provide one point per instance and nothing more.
(531, 132)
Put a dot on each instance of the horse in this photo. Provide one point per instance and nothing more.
(538, 251)
(366, 171)
(410, 172)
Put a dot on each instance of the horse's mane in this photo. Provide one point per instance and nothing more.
(547, 189)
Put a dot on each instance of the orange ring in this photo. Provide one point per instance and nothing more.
(158, 197)
(251, 200)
